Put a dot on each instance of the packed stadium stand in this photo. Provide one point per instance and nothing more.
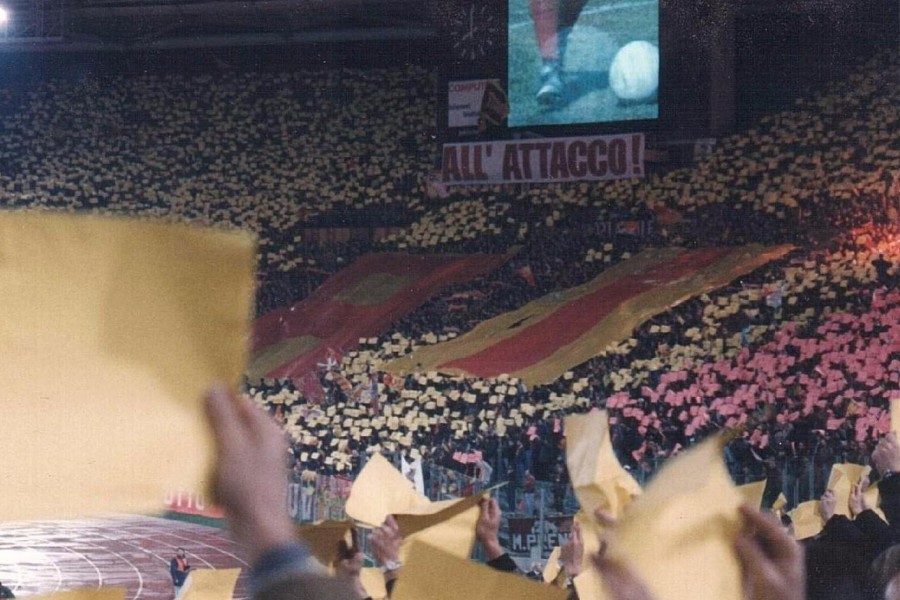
(752, 295)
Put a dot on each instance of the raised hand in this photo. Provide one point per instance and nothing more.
(251, 474)
(772, 561)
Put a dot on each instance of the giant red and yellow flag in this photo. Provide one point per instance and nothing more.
(545, 338)
(361, 300)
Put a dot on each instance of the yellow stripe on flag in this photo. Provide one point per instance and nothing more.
(613, 328)
(279, 353)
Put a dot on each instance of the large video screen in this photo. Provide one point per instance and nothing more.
(582, 61)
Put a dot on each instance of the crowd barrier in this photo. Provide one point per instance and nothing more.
(535, 522)
(322, 497)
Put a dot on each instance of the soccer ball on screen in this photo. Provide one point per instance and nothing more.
(634, 72)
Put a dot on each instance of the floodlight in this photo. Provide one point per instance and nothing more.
(4, 16)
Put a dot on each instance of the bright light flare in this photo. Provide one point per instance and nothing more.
(4, 16)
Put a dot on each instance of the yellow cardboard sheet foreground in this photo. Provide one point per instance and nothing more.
(592, 535)
(807, 520)
(372, 580)
(597, 477)
(753, 492)
(678, 536)
(842, 479)
(210, 584)
(112, 330)
(104, 593)
(323, 539)
(432, 574)
(552, 569)
(420, 518)
(381, 490)
(455, 535)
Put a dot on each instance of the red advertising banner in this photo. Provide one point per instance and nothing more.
(545, 159)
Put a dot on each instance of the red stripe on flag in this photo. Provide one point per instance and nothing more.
(571, 320)
(340, 324)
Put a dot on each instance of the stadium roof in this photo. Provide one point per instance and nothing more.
(162, 24)
(167, 24)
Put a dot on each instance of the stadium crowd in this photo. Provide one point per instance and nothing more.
(853, 557)
(708, 359)
(797, 362)
(802, 176)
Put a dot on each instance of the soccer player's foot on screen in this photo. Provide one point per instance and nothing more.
(550, 92)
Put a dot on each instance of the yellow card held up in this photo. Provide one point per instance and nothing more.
(591, 534)
(210, 584)
(112, 331)
(552, 568)
(841, 481)
(381, 490)
(372, 580)
(323, 539)
(455, 535)
(589, 585)
(679, 535)
(426, 515)
(597, 477)
(753, 493)
(807, 520)
(432, 574)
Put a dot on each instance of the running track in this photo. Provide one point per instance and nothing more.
(130, 552)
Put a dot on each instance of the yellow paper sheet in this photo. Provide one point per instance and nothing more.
(373, 582)
(455, 535)
(589, 585)
(104, 593)
(753, 493)
(591, 533)
(807, 520)
(381, 490)
(679, 535)
(112, 331)
(597, 477)
(552, 568)
(322, 539)
(432, 574)
(427, 515)
(210, 584)
(841, 481)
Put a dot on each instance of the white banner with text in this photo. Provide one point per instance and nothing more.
(544, 160)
